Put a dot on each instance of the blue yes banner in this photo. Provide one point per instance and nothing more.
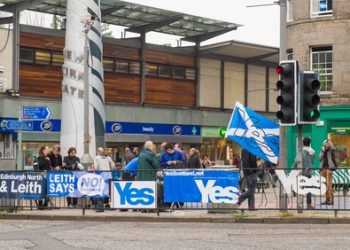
(22, 185)
(207, 186)
(78, 184)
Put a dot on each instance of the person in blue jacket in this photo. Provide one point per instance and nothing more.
(130, 170)
(171, 158)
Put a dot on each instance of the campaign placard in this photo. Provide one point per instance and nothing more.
(134, 194)
(22, 185)
(206, 186)
(78, 184)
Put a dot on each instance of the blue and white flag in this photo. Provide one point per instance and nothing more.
(255, 133)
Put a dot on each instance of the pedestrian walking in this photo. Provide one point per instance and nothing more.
(308, 156)
(328, 165)
(249, 163)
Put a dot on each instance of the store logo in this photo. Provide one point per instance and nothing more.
(177, 130)
(117, 128)
(46, 126)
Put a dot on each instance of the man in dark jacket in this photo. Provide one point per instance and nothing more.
(249, 169)
(194, 161)
(148, 163)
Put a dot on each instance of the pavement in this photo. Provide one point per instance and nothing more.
(191, 216)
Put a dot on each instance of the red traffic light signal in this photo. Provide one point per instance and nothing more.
(288, 78)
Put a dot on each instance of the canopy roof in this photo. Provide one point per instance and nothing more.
(137, 18)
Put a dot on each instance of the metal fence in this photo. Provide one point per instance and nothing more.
(276, 189)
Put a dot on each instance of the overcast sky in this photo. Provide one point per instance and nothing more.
(261, 24)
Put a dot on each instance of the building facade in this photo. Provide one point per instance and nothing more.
(175, 106)
(318, 37)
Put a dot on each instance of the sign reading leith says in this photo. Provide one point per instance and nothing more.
(78, 184)
(301, 184)
(134, 194)
(22, 185)
(208, 186)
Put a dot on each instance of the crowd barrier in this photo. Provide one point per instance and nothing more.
(167, 190)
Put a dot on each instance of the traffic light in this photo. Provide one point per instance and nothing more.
(309, 98)
(287, 83)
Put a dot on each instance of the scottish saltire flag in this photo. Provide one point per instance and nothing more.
(257, 134)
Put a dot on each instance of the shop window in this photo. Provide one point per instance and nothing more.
(164, 71)
(122, 66)
(108, 65)
(42, 57)
(321, 61)
(134, 68)
(57, 59)
(151, 69)
(190, 73)
(179, 72)
(321, 7)
(26, 55)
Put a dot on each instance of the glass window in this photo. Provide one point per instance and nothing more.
(122, 66)
(26, 55)
(321, 61)
(151, 69)
(190, 73)
(42, 57)
(134, 68)
(179, 72)
(57, 58)
(321, 7)
(289, 54)
(108, 65)
(164, 71)
(289, 11)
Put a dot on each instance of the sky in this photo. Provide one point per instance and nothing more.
(260, 24)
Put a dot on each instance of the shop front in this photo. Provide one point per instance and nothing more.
(334, 125)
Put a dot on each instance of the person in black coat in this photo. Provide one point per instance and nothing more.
(71, 163)
(56, 158)
(249, 164)
(193, 160)
(44, 164)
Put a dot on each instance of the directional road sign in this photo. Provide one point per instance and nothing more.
(16, 125)
(36, 113)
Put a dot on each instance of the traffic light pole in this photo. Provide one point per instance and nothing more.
(283, 130)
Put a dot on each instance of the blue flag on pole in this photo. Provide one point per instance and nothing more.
(255, 133)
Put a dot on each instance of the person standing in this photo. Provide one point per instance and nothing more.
(56, 158)
(44, 164)
(308, 156)
(328, 165)
(128, 156)
(103, 162)
(171, 158)
(71, 163)
(148, 163)
(178, 147)
(136, 151)
(249, 163)
(194, 160)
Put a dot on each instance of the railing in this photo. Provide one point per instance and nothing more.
(167, 190)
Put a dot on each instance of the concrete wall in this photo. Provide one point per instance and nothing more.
(256, 88)
(234, 84)
(305, 32)
(209, 83)
(6, 57)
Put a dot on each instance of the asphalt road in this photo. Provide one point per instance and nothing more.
(68, 235)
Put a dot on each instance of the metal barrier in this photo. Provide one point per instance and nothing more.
(267, 197)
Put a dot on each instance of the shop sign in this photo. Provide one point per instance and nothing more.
(152, 128)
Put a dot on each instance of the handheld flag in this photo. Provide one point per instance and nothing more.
(258, 134)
